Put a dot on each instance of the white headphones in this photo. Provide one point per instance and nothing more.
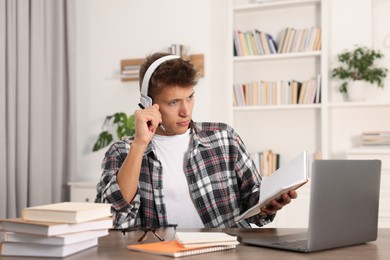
(145, 100)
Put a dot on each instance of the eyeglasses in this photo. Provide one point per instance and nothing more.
(162, 233)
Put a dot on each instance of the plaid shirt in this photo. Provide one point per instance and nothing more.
(222, 180)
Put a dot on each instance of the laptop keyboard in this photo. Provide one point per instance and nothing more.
(300, 243)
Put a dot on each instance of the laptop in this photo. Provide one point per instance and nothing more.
(344, 203)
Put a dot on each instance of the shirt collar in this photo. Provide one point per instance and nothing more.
(199, 137)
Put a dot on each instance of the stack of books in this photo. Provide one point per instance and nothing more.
(253, 43)
(280, 92)
(376, 138)
(266, 162)
(131, 71)
(300, 40)
(55, 230)
(189, 243)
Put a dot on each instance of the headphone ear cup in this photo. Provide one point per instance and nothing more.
(146, 101)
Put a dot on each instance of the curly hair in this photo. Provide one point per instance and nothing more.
(175, 72)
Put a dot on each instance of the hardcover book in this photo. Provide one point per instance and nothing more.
(52, 229)
(41, 250)
(66, 239)
(67, 212)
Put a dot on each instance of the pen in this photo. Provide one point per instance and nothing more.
(160, 125)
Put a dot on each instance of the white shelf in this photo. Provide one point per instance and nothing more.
(370, 149)
(277, 107)
(359, 104)
(273, 4)
(278, 56)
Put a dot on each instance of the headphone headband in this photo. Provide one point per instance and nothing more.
(146, 101)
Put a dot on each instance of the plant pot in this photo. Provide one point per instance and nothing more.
(357, 90)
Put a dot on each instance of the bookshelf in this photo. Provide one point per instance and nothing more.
(332, 127)
(286, 129)
(272, 126)
(196, 59)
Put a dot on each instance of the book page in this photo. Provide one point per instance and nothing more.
(289, 176)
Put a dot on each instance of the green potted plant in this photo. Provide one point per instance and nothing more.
(358, 68)
(124, 127)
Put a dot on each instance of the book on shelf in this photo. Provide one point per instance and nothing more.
(175, 249)
(197, 239)
(258, 43)
(243, 44)
(376, 133)
(67, 212)
(52, 229)
(264, 43)
(318, 90)
(376, 138)
(262, 93)
(130, 72)
(6, 236)
(42, 250)
(289, 176)
(266, 162)
(237, 43)
(250, 43)
(272, 44)
(132, 67)
(317, 42)
(302, 93)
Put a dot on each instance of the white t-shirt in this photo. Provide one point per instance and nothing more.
(173, 153)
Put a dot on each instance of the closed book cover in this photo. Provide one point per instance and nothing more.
(196, 239)
(174, 249)
(52, 229)
(67, 212)
(40, 250)
(289, 176)
(67, 239)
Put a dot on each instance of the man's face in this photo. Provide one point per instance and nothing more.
(176, 105)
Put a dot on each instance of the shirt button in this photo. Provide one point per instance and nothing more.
(158, 188)
(161, 211)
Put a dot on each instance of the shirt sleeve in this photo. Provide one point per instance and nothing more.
(108, 190)
(250, 183)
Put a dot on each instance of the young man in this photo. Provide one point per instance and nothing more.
(177, 171)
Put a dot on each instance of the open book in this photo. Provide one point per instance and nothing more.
(289, 176)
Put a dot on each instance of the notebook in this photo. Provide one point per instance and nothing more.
(198, 239)
(175, 249)
(344, 203)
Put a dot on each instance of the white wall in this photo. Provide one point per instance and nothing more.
(366, 25)
(108, 31)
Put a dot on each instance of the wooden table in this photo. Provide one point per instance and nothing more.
(113, 246)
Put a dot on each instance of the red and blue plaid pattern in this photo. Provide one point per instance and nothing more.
(221, 176)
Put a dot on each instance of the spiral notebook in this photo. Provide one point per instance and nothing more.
(174, 249)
